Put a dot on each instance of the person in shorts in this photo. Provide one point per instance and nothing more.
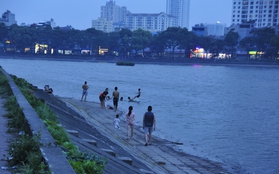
(115, 96)
(84, 91)
(148, 125)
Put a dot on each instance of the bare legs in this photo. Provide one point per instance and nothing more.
(83, 95)
(103, 104)
(148, 138)
(132, 132)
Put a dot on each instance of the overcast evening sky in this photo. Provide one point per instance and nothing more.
(79, 13)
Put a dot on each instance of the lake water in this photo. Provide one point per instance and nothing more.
(224, 113)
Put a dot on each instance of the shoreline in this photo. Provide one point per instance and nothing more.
(93, 123)
(179, 62)
(166, 146)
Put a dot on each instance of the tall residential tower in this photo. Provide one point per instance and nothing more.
(113, 12)
(181, 10)
(263, 12)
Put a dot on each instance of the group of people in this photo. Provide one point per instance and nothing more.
(148, 124)
(104, 96)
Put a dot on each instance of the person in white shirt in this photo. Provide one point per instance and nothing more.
(116, 122)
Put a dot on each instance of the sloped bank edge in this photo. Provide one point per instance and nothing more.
(56, 160)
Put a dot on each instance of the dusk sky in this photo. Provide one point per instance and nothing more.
(79, 14)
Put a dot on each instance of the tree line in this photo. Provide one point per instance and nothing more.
(126, 42)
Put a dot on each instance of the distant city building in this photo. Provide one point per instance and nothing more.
(199, 29)
(264, 12)
(114, 17)
(103, 25)
(113, 12)
(8, 18)
(151, 22)
(181, 10)
(50, 23)
(216, 29)
(66, 28)
(242, 29)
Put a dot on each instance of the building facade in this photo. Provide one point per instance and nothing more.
(103, 25)
(150, 22)
(199, 29)
(113, 12)
(181, 10)
(112, 17)
(264, 12)
(8, 18)
(242, 29)
(216, 29)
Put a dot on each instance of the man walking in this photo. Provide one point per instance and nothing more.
(148, 125)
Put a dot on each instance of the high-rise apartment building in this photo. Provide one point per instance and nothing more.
(8, 18)
(112, 16)
(113, 12)
(150, 22)
(103, 25)
(181, 10)
(263, 12)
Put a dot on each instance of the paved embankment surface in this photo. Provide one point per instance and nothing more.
(88, 121)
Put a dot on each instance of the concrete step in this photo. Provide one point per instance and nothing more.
(127, 160)
(93, 142)
(73, 132)
(109, 151)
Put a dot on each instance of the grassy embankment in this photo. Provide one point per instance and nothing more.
(25, 148)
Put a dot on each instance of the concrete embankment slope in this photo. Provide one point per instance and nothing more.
(91, 128)
(52, 154)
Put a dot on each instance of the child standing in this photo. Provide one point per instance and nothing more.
(116, 122)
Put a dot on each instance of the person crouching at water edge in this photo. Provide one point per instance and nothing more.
(102, 98)
(130, 121)
(48, 89)
(148, 125)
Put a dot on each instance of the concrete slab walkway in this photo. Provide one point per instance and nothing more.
(160, 157)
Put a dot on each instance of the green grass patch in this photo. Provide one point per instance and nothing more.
(82, 163)
(24, 149)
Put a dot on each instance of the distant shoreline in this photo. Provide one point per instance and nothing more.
(181, 61)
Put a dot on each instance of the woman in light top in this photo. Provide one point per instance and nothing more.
(130, 121)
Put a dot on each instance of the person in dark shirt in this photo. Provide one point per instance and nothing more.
(115, 96)
(148, 125)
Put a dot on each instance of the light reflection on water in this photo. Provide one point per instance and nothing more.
(224, 113)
